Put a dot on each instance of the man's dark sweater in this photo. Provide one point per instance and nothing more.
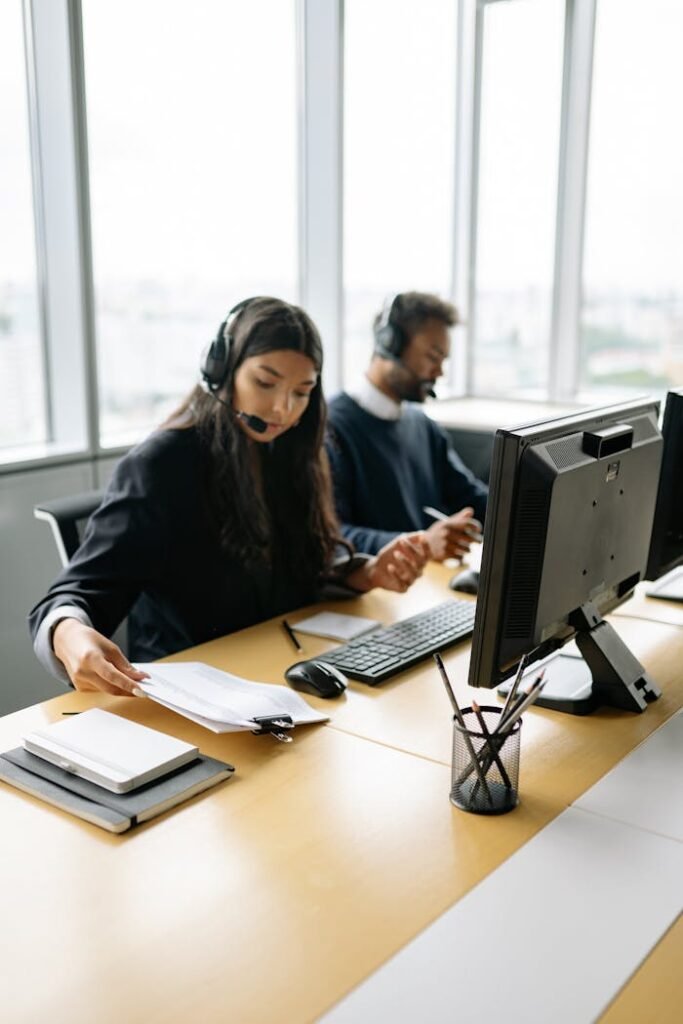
(385, 471)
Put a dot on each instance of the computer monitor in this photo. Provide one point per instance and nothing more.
(566, 539)
(666, 545)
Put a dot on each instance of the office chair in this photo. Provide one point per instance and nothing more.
(68, 518)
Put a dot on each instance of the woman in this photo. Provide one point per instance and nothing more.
(220, 519)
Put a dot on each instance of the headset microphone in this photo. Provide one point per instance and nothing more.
(254, 423)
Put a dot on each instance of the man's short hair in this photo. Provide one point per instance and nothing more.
(411, 310)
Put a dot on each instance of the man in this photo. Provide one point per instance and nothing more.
(389, 460)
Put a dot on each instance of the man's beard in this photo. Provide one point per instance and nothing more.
(407, 386)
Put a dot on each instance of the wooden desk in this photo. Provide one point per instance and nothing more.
(641, 606)
(561, 754)
(270, 897)
(264, 900)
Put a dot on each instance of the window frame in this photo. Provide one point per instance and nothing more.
(577, 73)
(59, 158)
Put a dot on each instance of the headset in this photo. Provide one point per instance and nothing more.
(214, 367)
(390, 337)
(391, 340)
(215, 362)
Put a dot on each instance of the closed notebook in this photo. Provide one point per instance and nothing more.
(109, 750)
(116, 812)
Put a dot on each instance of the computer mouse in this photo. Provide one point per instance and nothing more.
(316, 677)
(466, 582)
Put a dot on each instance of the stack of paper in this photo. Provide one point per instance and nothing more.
(219, 700)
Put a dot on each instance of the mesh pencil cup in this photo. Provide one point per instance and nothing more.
(485, 766)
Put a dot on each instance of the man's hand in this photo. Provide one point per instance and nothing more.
(452, 537)
(93, 662)
(395, 567)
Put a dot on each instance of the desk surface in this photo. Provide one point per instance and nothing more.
(272, 896)
(640, 606)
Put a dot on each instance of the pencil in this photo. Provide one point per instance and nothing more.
(494, 750)
(525, 701)
(475, 765)
(449, 689)
(523, 661)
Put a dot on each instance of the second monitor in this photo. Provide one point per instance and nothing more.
(566, 540)
(665, 561)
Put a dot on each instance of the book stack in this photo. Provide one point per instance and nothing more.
(108, 770)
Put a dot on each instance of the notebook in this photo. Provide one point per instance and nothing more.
(335, 625)
(109, 750)
(116, 812)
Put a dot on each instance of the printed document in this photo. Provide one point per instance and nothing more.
(219, 700)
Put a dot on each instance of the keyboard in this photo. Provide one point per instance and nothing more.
(387, 650)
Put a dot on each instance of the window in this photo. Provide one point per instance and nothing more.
(399, 123)
(192, 149)
(632, 311)
(517, 194)
(22, 374)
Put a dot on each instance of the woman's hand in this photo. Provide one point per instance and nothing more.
(93, 662)
(452, 537)
(395, 567)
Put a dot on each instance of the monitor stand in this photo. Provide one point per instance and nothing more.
(599, 671)
(669, 587)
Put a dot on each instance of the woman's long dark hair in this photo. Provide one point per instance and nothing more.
(291, 525)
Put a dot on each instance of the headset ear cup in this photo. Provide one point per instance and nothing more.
(214, 368)
(215, 363)
(390, 338)
(385, 341)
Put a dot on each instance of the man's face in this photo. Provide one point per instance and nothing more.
(423, 358)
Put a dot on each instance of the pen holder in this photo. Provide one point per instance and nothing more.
(485, 769)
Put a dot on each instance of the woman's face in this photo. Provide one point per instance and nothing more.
(276, 387)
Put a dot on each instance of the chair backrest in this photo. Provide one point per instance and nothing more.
(68, 518)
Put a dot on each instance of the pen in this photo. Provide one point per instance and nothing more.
(434, 512)
(290, 633)
(472, 528)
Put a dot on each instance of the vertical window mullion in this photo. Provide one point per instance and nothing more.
(571, 198)
(464, 225)
(38, 213)
(320, 174)
(84, 227)
(474, 194)
(60, 216)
